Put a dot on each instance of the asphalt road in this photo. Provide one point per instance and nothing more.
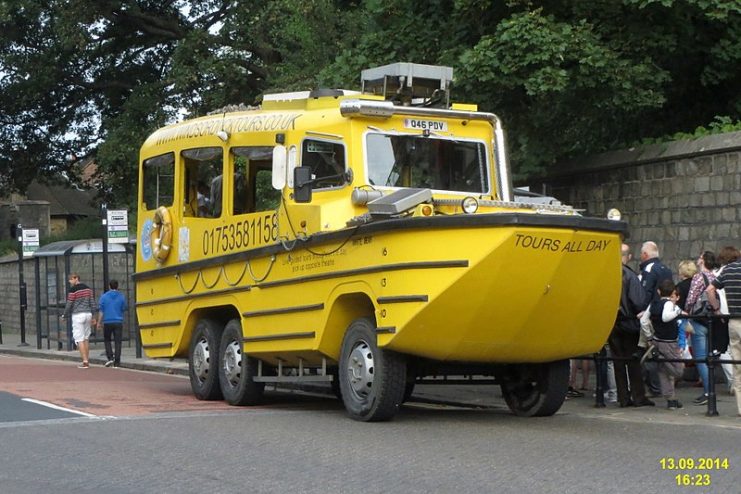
(14, 408)
(148, 435)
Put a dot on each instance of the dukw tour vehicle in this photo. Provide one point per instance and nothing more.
(367, 239)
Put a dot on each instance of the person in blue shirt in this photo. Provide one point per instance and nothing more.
(110, 317)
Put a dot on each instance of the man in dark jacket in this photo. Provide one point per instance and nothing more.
(653, 272)
(624, 338)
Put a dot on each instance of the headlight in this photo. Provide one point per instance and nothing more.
(470, 205)
(614, 214)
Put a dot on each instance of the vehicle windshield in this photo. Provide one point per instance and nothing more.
(426, 162)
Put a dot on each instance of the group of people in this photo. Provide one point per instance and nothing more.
(111, 309)
(652, 327)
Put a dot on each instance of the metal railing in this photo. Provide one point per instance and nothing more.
(711, 359)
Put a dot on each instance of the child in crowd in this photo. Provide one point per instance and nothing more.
(659, 327)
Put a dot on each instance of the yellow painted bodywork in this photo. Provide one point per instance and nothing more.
(462, 293)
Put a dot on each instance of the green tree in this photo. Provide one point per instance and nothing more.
(80, 77)
(567, 77)
(93, 78)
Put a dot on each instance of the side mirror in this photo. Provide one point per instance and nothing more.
(279, 166)
(302, 181)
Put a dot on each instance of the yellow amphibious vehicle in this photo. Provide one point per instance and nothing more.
(368, 239)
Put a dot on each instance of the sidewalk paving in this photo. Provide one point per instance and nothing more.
(450, 395)
(11, 346)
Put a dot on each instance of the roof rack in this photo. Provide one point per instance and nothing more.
(410, 83)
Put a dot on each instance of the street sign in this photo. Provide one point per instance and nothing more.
(118, 226)
(30, 241)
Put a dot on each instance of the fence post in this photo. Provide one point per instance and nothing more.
(710, 361)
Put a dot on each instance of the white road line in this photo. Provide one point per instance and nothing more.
(56, 407)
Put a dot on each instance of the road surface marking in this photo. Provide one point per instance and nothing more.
(56, 407)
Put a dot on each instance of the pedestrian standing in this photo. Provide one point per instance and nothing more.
(623, 339)
(686, 270)
(706, 263)
(653, 272)
(726, 255)
(730, 281)
(79, 309)
(663, 314)
(110, 317)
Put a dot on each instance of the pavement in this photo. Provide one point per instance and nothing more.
(479, 396)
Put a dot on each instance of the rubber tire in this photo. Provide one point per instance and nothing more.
(246, 391)
(537, 390)
(208, 331)
(386, 392)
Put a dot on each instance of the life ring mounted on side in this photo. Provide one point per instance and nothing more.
(161, 234)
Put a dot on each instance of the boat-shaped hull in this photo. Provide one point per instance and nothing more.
(487, 288)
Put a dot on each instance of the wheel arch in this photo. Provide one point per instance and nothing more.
(348, 303)
(221, 314)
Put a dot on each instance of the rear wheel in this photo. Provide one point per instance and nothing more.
(237, 370)
(372, 380)
(203, 364)
(536, 390)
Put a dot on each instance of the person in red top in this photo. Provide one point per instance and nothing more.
(79, 309)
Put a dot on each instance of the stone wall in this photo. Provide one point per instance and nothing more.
(53, 286)
(684, 195)
(9, 302)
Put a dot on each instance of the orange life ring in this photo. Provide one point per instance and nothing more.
(161, 234)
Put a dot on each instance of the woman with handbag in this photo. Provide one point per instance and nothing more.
(695, 305)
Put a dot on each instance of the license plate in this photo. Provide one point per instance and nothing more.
(431, 125)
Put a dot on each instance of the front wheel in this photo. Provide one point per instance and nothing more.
(536, 390)
(372, 380)
(237, 369)
(203, 364)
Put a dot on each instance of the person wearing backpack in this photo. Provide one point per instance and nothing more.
(623, 339)
(697, 304)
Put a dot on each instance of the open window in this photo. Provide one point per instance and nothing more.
(158, 183)
(202, 195)
(252, 182)
(327, 162)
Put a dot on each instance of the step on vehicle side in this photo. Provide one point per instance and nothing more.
(368, 239)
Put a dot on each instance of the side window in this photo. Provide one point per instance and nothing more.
(159, 181)
(327, 162)
(252, 188)
(203, 182)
